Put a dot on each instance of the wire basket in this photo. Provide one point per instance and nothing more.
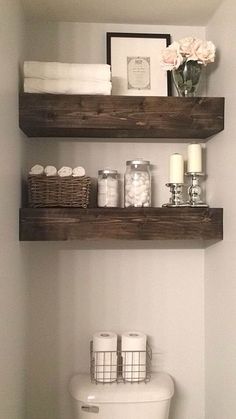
(120, 366)
(56, 191)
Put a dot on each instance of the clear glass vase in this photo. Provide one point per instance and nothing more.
(187, 78)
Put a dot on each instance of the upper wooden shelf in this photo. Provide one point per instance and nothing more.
(46, 115)
(121, 223)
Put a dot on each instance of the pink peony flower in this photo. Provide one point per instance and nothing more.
(171, 57)
(188, 49)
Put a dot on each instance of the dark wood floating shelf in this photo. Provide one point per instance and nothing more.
(122, 224)
(46, 115)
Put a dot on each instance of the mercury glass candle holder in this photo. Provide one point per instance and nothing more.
(194, 190)
(176, 198)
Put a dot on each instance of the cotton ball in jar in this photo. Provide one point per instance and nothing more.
(138, 183)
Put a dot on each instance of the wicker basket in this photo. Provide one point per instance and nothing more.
(56, 191)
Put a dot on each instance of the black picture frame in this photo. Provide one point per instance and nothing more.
(117, 46)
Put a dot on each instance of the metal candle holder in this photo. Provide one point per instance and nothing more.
(194, 191)
(176, 199)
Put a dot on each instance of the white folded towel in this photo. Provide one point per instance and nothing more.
(36, 170)
(50, 171)
(78, 171)
(66, 86)
(65, 171)
(47, 70)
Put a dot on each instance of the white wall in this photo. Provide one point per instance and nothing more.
(77, 288)
(12, 275)
(220, 259)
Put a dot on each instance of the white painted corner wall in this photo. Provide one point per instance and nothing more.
(13, 292)
(220, 261)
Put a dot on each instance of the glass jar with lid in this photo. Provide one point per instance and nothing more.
(108, 188)
(137, 183)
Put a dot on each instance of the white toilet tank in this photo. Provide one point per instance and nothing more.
(123, 400)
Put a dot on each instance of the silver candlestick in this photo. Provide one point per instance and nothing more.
(194, 191)
(176, 199)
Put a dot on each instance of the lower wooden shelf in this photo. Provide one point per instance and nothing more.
(38, 224)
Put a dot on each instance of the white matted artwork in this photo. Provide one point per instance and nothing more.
(135, 61)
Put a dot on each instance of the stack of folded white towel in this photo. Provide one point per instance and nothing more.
(46, 77)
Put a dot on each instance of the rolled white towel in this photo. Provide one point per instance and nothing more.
(54, 70)
(78, 171)
(65, 171)
(66, 86)
(50, 171)
(36, 170)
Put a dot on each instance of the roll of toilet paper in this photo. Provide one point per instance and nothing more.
(105, 356)
(133, 348)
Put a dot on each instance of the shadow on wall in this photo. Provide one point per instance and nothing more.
(65, 42)
(43, 373)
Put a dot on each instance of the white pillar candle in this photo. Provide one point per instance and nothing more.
(176, 168)
(194, 158)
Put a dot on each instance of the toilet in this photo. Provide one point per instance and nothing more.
(122, 400)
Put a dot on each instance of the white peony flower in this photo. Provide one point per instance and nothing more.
(205, 52)
(186, 45)
(194, 47)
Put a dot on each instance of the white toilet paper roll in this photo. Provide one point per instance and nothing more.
(105, 356)
(133, 347)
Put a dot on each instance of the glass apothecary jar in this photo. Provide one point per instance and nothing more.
(108, 188)
(137, 183)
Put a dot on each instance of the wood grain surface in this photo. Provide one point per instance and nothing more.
(120, 223)
(47, 115)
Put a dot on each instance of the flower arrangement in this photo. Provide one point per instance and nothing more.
(188, 49)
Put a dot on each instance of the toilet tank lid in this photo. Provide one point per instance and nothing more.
(159, 388)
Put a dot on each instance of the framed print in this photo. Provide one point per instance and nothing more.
(135, 60)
